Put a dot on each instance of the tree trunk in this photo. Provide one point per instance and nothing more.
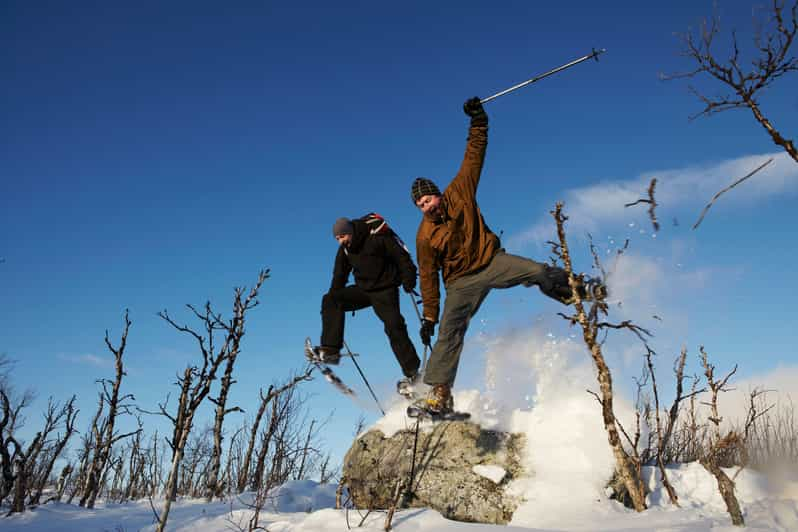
(243, 474)
(774, 134)
(726, 488)
(63, 478)
(170, 490)
(627, 470)
(20, 488)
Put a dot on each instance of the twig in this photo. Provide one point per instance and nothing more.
(704, 212)
(397, 494)
(651, 201)
(154, 511)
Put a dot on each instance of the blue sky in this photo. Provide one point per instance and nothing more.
(157, 154)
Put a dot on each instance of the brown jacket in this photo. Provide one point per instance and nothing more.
(461, 243)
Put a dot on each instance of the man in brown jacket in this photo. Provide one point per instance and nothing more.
(454, 240)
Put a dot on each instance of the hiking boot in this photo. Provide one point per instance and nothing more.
(328, 355)
(407, 385)
(589, 290)
(595, 290)
(438, 402)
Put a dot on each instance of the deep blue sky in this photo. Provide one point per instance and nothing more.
(158, 154)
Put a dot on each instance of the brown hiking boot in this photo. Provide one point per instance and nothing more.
(438, 402)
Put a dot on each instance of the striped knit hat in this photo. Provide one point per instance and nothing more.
(423, 187)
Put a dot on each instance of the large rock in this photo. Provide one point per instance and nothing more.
(444, 472)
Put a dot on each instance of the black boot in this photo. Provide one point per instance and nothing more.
(328, 355)
(407, 385)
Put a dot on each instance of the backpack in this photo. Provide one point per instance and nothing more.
(378, 226)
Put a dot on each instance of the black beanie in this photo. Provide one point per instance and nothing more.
(423, 187)
(342, 226)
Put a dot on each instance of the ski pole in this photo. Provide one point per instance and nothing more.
(594, 54)
(352, 356)
(409, 491)
(421, 321)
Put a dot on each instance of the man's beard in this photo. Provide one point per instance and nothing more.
(435, 215)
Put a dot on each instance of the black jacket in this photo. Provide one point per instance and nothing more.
(377, 261)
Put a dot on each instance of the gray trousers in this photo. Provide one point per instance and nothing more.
(465, 295)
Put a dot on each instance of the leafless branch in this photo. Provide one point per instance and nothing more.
(772, 42)
(716, 196)
(651, 202)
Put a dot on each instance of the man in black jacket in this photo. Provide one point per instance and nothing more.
(380, 265)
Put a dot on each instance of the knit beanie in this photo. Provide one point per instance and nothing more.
(342, 226)
(423, 187)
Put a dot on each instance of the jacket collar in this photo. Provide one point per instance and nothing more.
(360, 233)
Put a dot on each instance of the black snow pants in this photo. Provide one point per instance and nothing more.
(385, 302)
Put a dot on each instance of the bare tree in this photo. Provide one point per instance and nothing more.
(721, 446)
(284, 447)
(155, 469)
(6, 442)
(63, 480)
(627, 467)
(235, 332)
(69, 415)
(195, 383)
(136, 463)
(327, 472)
(234, 460)
(25, 460)
(104, 433)
(271, 393)
(773, 440)
(665, 429)
(772, 42)
(194, 468)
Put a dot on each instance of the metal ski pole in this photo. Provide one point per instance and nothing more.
(421, 321)
(352, 356)
(594, 54)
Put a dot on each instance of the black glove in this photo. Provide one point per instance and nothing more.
(409, 284)
(473, 108)
(427, 331)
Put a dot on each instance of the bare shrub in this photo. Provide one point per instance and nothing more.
(772, 60)
(627, 461)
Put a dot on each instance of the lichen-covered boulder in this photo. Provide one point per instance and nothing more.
(457, 471)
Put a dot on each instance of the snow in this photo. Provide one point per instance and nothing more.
(539, 391)
(309, 507)
(493, 473)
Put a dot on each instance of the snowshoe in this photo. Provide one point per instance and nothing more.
(330, 376)
(327, 355)
(419, 412)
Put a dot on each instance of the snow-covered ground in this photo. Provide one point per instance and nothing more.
(309, 507)
(540, 392)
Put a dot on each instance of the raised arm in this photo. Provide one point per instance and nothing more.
(467, 178)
